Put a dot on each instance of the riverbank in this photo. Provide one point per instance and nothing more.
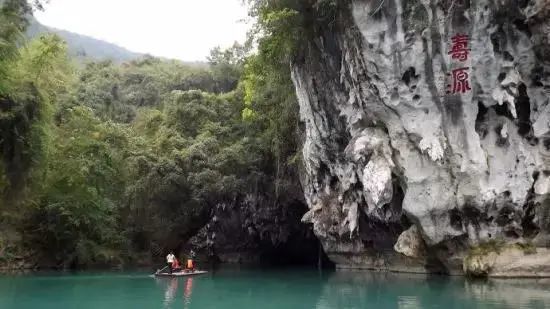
(508, 261)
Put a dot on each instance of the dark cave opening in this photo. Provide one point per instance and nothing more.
(304, 252)
(522, 26)
(456, 219)
(523, 120)
(381, 234)
(302, 247)
(396, 205)
(523, 109)
(502, 110)
(409, 75)
(260, 232)
(529, 224)
(481, 123)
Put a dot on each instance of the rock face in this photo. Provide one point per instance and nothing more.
(509, 262)
(258, 229)
(430, 115)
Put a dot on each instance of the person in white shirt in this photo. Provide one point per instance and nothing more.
(170, 260)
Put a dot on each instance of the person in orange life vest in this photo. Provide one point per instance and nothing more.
(190, 265)
(176, 265)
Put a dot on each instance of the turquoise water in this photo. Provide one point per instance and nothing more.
(280, 289)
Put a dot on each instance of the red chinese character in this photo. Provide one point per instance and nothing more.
(461, 82)
(459, 49)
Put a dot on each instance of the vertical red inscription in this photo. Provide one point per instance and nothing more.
(459, 48)
(460, 78)
(460, 81)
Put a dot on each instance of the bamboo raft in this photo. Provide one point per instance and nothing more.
(181, 273)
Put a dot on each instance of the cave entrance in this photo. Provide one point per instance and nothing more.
(302, 247)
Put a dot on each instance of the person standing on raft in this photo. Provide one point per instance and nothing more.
(170, 260)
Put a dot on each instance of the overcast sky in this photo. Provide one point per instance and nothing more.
(181, 29)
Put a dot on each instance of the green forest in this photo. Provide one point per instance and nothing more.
(112, 164)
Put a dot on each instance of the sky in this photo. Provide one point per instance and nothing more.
(179, 29)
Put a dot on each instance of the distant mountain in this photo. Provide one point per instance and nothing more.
(85, 47)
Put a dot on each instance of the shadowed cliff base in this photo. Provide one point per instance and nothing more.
(256, 231)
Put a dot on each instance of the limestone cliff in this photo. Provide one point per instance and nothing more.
(426, 130)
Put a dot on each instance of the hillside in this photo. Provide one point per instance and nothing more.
(83, 46)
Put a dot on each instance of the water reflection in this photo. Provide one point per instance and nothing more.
(170, 287)
(351, 290)
(512, 293)
(170, 293)
(408, 302)
(187, 292)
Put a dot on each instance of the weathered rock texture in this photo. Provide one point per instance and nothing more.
(257, 228)
(509, 262)
(386, 147)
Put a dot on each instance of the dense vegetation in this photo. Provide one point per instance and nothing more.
(107, 164)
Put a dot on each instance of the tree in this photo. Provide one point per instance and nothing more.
(74, 213)
(39, 74)
(226, 66)
(12, 25)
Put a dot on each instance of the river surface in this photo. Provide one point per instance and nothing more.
(266, 289)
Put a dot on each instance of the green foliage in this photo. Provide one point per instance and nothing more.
(112, 160)
(283, 27)
(73, 214)
(235, 55)
(38, 75)
(497, 246)
(476, 254)
(270, 103)
(12, 26)
(20, 141)
(226, 66)
(116, 92)
(188, 157)
(279, 30)
(485, 248)
(43, 62)
(526, 247)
